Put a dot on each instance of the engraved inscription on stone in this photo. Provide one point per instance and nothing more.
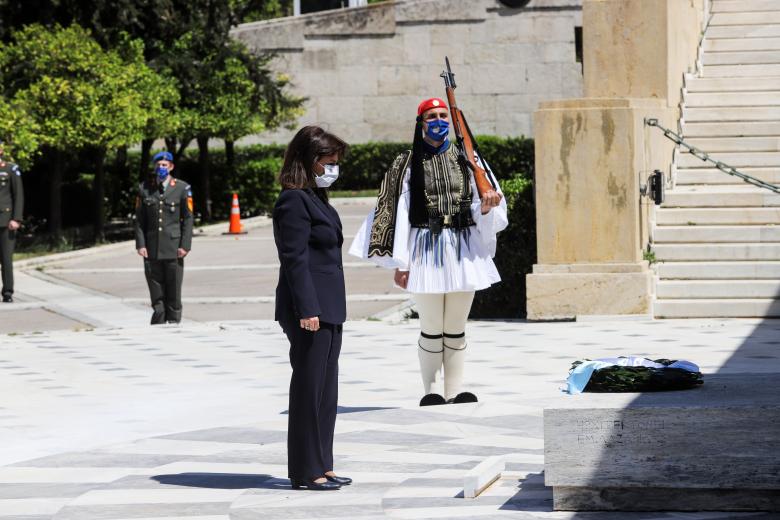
(619, 432)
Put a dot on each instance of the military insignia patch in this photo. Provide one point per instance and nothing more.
(189, 202)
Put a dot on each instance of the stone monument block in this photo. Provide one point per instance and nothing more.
(714, 448)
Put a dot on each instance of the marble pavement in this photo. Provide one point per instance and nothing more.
(188, 422)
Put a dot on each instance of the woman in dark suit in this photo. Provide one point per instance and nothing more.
(310, 302)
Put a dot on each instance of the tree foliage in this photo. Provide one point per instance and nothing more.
(78, 76)
(78, 94)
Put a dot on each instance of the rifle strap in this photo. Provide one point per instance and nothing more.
(476, 150)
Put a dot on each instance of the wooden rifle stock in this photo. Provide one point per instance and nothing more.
(466, 146)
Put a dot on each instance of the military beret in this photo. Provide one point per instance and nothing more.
(162, 156)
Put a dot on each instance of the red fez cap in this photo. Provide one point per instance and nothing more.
(429, 104)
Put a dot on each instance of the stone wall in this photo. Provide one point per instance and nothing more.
(364, 70)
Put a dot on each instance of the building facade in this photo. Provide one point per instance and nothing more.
(364, 70)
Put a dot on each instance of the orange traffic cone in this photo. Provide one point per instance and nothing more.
(235, 218)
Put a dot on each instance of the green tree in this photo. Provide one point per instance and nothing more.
(226, 91)
(19, 131)
(187, 41)
(79, 96)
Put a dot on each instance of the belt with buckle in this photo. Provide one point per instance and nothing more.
(436, 224)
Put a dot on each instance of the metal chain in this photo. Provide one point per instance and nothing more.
(725, 168)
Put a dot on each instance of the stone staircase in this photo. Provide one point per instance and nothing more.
(717, 238)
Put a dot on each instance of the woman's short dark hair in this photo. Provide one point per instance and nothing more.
(309, 144)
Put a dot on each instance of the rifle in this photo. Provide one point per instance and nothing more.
(467, 145)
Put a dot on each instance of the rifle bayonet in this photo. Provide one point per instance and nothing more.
(448, 75)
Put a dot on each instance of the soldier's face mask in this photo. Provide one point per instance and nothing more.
(438, 129)
(162, 172)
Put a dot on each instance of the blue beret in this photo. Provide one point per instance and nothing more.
(162, 156)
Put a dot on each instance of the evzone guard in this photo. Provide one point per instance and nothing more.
(436, 219)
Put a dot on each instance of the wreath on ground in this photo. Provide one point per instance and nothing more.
(641, 379)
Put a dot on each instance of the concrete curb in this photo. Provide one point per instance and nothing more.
(479, 478)
(209, 230)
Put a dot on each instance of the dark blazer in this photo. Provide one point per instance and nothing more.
(11, 193)
(163, 221)
(308, 237)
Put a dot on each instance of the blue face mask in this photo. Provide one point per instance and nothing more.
(438, 130)
(162, 173)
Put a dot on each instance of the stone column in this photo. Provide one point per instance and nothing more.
(594, 154)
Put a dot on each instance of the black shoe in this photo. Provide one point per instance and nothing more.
(7, 298)
(432, 400)
(314, 486)
(343, 481)
(463, 397)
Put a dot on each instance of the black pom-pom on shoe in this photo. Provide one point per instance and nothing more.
(432, 400)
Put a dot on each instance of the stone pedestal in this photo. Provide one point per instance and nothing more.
(592, 157)
(562, 292)
(714, 448)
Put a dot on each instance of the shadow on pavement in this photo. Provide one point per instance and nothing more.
(531, 495)
(223, 481)
(355, 409)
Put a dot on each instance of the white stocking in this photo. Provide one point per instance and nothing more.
(456, 311)
(430, 308)
(430, 351)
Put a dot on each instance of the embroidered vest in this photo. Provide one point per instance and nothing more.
(446, 194)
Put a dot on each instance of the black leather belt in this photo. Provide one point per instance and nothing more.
(459, 221)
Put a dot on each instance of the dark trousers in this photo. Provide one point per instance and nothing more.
(314, 357)
(7, 243)
(164, 278)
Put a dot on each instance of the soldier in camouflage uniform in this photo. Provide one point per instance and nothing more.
(163, 236)
(11, 208)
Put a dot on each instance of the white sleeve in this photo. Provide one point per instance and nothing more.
(495, 220)
(400, 257)
(403, 227)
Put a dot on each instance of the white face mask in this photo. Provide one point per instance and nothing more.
(328, 177)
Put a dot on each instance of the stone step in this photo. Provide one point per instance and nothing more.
(715, 176)
(738, 129)
(732, 99)
(719, 270)
(743, 31)
(694, 84)
(736, 144)
(741, 44)
(720, 308)
(741, 71)
(742, 196)
(733, 159)
(745, 18)
(740, 57)
(716, 252)
(736, 6)
(716, 234)
(731, 114)
(698, 289)
(716, 216)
